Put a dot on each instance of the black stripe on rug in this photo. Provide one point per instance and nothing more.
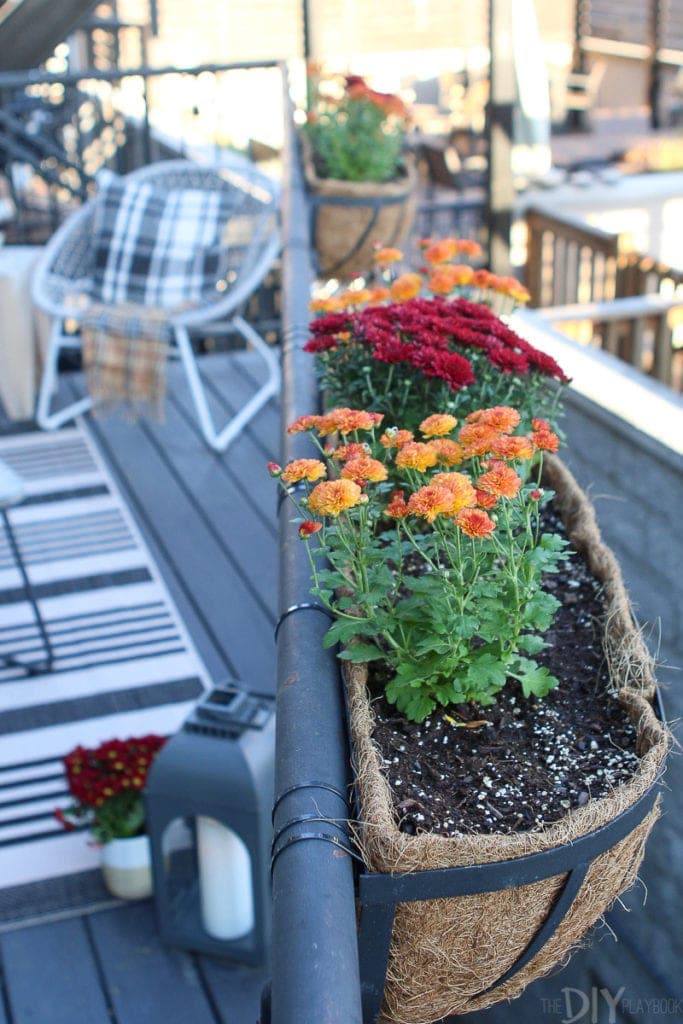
(111, 702)
(55, 588)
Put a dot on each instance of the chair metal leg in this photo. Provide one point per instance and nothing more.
(219, 440)
(48, 385)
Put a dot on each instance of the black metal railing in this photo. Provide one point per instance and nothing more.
(58, 130)
(315, 974)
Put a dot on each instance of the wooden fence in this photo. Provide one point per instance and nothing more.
(626, 303)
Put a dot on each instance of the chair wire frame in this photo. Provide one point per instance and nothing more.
(63, 283)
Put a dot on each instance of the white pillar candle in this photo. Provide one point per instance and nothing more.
(225, 883)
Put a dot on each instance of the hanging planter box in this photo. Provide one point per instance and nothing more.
(349, 217)
(452, 925)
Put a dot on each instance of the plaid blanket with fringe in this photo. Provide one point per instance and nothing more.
(125, 349)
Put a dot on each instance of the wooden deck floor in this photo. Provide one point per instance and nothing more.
(210, 523)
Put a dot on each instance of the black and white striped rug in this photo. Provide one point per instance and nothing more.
(123, 662)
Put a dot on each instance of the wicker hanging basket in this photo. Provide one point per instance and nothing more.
(466, 952)
(349, 217)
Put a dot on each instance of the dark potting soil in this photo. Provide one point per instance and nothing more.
(534, 759)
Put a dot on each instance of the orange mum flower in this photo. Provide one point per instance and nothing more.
(460, 486)
(449, 452)
(545, 440)
(308, 528)
(350, 451)
(501, 417)
(397, 507)
(475, 522)
(345, 420)
(357, 296)
(513, 447)
(334, 496)
(361, 467)
(441, 251)
(500, 480)
(477, 438)
(405, 287)
(393, 438)
(438, 424)
(442, 280)
(304, 423)
(416, 455)
(432, 501)
(387, 255)
(538, 424)
(482, 278)
(303, 469)
(485, 500)
(379, 294)
(468, 247)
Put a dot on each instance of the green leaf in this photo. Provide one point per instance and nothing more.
(486, 672)
(358, 653)
(538, 681)
(531, 644)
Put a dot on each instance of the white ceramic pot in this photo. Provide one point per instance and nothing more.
(127, 867)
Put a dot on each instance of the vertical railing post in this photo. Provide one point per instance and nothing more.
(503, 93)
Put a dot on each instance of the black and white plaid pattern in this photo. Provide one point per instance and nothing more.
(158, 248)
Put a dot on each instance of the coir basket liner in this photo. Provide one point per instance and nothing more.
(446, 953)
(350, 217)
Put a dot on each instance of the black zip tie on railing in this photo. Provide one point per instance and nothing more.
(308, 785)
(325, 837)
(303, 606)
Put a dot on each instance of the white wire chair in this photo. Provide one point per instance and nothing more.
(250, 244)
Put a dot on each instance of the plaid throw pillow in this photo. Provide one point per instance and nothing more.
(157, 248)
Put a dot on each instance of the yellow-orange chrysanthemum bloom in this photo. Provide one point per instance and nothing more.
(333, 497)
(416, 455)
(379, 294)
(512, 447)
(475, 522)
(438, 424)
(397, 507)
(349, 451)
(477, 438)
(449, 452)
(441, 251)
(304, 423)
(500, 480)
(545, 440)
(396, 438)
(460, 486)
(362, 467)
(303, 469)
(345, 420)
(501, 417)
(482, 278)
(357, 296)
(405, 287)
(387, 254)
(432, 501)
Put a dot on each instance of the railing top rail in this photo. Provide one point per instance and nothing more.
(315, 973)
(35, 76)
(574, 229)
(613, 309)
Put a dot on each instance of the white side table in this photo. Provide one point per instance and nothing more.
(20, 333)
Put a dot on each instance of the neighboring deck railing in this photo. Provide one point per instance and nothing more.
(626, 303)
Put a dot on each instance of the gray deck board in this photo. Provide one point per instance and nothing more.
(214, 540)
(51, 975)
(147, 982)
(235, 991)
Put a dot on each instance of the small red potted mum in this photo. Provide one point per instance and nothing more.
(106, 783)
